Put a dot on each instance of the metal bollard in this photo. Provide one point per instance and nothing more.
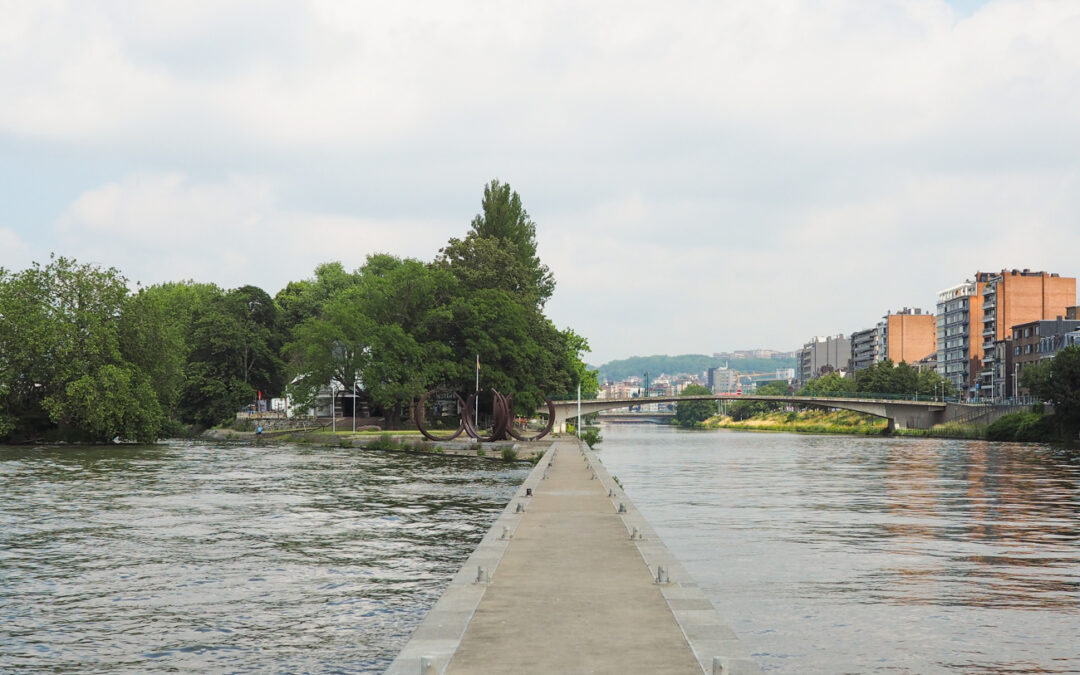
(719, 666)
(427, 665)
(528, 492)
(622, 507)
(520, 508)
(481, 575)
(506, 533)
(636, 534)
(593, 476)
(661, 575)
(611, 492)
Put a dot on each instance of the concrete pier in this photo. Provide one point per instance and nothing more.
(571, 579)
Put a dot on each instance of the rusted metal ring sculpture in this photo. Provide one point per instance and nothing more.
(543, 432)
(502, 427)
(418, 417)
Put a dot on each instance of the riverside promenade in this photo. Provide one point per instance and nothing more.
(571, 579)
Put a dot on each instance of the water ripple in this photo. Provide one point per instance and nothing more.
(832, 554)
(199, 558)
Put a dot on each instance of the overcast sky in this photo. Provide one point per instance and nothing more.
(704, 176)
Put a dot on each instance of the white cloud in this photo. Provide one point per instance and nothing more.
(747, 173)
(165, 227)
(14, 252)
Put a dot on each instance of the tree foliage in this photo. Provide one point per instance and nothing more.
(82, 355)
(61, 362)
(691, 413)
(741, 410)
(1059, 385)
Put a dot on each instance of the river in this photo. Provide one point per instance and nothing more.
(195, 557)
(844, 554)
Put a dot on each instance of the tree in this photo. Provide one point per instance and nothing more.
(741, 410)
(61, 362)
(832, 384)
(333, 346)
(301, 300)
(499, 252)
(1060, 387)
(692, 413)
(235, 342)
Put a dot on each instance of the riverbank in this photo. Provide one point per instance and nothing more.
(816, 421)
(389, 441)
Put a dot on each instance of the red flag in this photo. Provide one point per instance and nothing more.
(260, 394)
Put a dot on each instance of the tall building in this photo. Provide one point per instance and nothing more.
(864, 348)
(907, 336)
(722, 380)
(823, 354)
(1015, 297)
(959, 332)
(1029, 343)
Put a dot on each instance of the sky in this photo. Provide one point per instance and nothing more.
(704, 176)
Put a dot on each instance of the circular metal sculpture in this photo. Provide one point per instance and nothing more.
(543, 432)
(502, 428)
(418, 417)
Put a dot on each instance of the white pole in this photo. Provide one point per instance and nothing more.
(579, 410)
(354, 407)
(476, 404)
(333, 407)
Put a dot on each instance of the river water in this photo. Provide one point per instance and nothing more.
(837, 554)
(191, 557)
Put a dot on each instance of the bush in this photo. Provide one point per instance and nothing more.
(384, 442)
(509, 453)
(1023, 426)
(591, 436)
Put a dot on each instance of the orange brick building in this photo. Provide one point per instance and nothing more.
(1014, 297)
(908, 336)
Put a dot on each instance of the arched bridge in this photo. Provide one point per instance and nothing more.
(901, 413)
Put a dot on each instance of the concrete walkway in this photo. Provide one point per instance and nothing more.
(572, 591)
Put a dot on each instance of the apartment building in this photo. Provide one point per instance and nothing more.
(823, 354)
(1030, 343)
(1013, 298)
(864, 352)
(722, 380)
(907, 336)
(959, 332)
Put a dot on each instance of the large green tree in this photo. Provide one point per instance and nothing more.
(499, 252)
(691, 413)
(62, 364)
(1059, 385)
(235, 344)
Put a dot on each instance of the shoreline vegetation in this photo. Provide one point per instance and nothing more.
(84, 357)
(409, 441)
(1032, 427)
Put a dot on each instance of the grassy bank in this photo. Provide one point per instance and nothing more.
(805, 421)
(815, 421)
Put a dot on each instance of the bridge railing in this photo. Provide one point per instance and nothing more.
(735, 397)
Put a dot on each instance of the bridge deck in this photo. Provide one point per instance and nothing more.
(572, 593)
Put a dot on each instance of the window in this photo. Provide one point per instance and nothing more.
(1036, 330)
(1017, 352)
(1027, 349)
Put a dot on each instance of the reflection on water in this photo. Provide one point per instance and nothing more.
(832, 554)
(192, 557)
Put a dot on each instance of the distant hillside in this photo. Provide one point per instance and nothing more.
(685, 363)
